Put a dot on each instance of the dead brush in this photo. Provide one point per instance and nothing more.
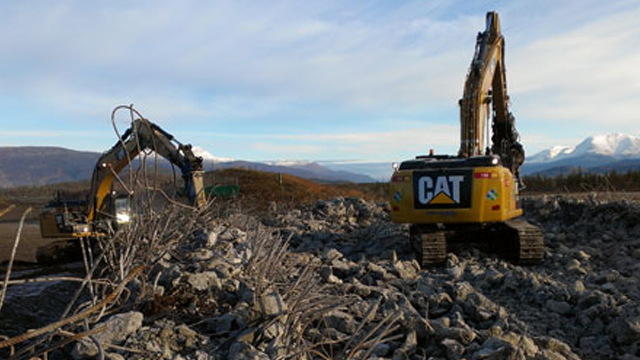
(117, 278)
(113, 261)
(129, 253)
(125, 255)
(302, 329)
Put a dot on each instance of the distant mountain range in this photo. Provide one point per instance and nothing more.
(35, 166)
(304, 169)
(380, 171)
(312, 171)
(600, 154)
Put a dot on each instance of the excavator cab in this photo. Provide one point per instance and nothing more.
(122, 210)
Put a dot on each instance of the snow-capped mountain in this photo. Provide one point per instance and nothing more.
(550, 154)
(613, 145)
(208, 157)
(373, 171)
(617, 145)
(597, 153)
(288, 162)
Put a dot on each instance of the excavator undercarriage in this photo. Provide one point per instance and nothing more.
(515, 239)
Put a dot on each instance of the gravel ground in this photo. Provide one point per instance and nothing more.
(29, 241)
(338, 280)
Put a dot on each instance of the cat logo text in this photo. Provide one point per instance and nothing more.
(434, 189)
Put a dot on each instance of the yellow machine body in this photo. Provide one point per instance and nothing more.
(454, 195)
(49, 226)
(57, 217)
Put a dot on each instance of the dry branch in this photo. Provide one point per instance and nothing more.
(5, 211)
(75, 318)
(13, 255)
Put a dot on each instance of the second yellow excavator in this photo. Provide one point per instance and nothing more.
(88, 218)
(476, 192)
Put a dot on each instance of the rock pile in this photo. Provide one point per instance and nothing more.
(338, 280)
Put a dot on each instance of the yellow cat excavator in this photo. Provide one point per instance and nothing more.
(86, 218)
(475, 193)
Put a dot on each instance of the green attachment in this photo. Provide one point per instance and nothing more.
(222, 191)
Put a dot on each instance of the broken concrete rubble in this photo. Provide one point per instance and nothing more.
(346, 284)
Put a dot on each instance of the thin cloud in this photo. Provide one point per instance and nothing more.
(281, 52)
(252, 68)
(588, 74)
(299, 150)
(47, 134)
(388, 145)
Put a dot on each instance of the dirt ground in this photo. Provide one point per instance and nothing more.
(29, 241)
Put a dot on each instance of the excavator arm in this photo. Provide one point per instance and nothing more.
(144, 135)
(485, 97)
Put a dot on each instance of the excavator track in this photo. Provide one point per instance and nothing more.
(429, 244)
(527, 241)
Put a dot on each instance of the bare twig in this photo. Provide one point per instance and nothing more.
(368, 316)
(5, 211)
(13, 256)
(98, 346)
(55, 278)
(12, 349)
(85, 256)
(75, 318)
(71, 337)
(124, 253)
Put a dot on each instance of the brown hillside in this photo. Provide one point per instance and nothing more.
(259, 189)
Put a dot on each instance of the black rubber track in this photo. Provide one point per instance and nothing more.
(528, 241)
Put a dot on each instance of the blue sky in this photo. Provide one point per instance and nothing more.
(310, 80)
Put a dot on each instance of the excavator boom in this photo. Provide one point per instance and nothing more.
(485, 99)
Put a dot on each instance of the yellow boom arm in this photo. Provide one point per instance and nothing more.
(485, 96)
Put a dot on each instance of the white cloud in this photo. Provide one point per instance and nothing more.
(209, 157)
(101, 53)
(388, 145)
(534, 142)
(572, 63)
(300, 150)
(46, 133)
(587, 74)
